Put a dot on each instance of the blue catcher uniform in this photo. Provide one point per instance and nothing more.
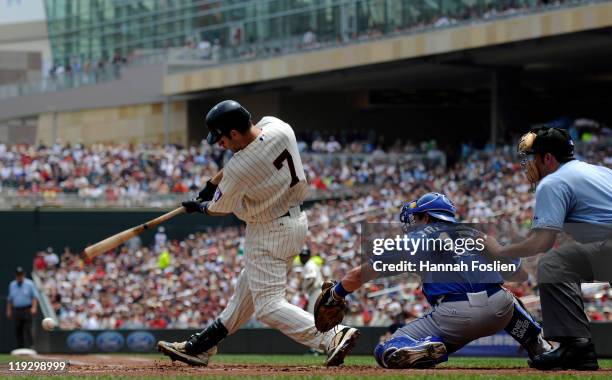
(467, 305)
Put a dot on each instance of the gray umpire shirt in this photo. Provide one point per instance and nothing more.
(577, 199)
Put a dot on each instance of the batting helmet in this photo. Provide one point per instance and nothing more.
(224, 117)
(434, 204)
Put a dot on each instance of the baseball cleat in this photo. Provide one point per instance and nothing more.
(176, 351)
(424, 355)
(342, 343)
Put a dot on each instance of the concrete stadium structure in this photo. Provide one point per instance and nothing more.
(490, 76)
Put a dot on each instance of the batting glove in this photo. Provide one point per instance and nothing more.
(208, 192)
(194, 205)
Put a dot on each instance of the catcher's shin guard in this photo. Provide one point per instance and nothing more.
(525, 330)
(207, 338)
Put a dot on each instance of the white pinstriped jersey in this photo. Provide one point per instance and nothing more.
(262, 181)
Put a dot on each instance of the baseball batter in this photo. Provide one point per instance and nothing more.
(466, 305)
(264, 185)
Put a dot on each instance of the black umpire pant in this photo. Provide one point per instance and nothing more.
(560, 273)
(23, 326)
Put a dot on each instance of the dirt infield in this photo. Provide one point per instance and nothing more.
(119, 366)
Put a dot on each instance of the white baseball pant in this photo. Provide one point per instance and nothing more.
(270, 248)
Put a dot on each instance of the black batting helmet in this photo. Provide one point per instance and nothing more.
(225, 116)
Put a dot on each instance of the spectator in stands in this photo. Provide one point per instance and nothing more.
(39, 261)
(100, 70)
(117, 62)
(134, 243)
(160, 238)
(163, 260)
(51, 258)
(309, 39)
(311, 277)
(204, 49)
(215, 52)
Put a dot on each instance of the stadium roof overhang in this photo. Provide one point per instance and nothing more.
(572, 42)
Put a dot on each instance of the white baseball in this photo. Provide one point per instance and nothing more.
(49, 324)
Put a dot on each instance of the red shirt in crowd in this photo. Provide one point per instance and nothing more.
(39, 263)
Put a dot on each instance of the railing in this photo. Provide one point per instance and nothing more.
(61, 82)
(352, 21)
(433, 157)
(45, 305)
(11, 200)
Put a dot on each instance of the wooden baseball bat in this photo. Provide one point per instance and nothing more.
(120, 238)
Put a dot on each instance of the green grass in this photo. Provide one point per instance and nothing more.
(333, 377)
(360, 360)
(308, 360)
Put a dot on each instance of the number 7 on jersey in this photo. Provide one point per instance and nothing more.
(278, 163)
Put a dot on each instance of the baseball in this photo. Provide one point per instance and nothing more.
(49, 324)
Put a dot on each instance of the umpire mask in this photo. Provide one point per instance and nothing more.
(527, 158)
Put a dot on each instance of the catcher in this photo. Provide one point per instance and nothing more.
(466, 305)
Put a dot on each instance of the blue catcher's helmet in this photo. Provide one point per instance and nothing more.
(435, 204)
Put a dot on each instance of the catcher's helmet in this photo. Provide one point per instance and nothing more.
(225, 116)
(434, 204)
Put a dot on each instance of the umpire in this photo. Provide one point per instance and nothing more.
(22, 306)
(574, 197)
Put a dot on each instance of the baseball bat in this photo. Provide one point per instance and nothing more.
(120, 238)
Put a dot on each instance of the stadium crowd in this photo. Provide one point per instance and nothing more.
(129, 175)
(186, 283)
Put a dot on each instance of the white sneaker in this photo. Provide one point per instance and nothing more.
(176, 351)
(341, 344)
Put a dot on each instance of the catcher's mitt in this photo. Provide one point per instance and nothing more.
(328, 311)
